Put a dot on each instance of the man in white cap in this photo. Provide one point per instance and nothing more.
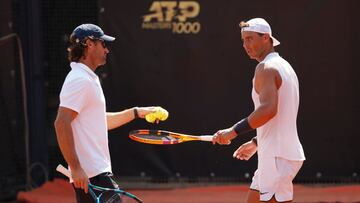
(275, 95)
(82, 121)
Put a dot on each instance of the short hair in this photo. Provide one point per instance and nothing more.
(76, 49)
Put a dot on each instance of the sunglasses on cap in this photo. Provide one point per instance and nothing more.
(104, 44)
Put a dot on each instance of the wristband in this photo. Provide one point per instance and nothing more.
(242, 127)
(136, 115)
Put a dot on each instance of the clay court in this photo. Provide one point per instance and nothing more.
(60, 191)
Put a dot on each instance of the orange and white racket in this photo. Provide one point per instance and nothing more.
(162, 137)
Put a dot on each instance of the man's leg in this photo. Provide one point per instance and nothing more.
(253, 196)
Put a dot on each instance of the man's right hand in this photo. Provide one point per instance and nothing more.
(80, 179)
(224, 137)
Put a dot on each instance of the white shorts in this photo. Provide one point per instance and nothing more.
(274, 176)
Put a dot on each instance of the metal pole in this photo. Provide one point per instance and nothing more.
(4, 40)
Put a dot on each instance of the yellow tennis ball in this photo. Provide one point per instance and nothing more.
(159, 114)
(150, 118)
(163, 114)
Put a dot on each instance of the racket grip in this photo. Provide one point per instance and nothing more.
(63, 170)
(207, 138)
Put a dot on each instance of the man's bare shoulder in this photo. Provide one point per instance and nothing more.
(266, 73)
(266, 69)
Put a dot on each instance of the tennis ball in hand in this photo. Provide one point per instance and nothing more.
(150, 118)
(162, 114)
(159, 114)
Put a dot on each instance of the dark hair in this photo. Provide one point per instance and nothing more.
(76, 49)
(262, 34)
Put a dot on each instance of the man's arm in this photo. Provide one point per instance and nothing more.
(117, 119)
(65, 139)
(267, 83)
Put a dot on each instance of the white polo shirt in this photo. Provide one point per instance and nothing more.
(82, 93)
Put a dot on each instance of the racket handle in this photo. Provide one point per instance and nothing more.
(207, 138)
(63, 170)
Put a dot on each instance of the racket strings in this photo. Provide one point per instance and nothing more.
(158, 137)
(126, 199)
(111, 197)
(118, 198)
(107, 196)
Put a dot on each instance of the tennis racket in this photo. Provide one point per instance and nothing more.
(101, 194)
(162, 137)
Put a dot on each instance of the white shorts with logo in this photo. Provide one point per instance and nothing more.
(274, 176)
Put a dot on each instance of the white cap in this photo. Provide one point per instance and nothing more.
(261, 26)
